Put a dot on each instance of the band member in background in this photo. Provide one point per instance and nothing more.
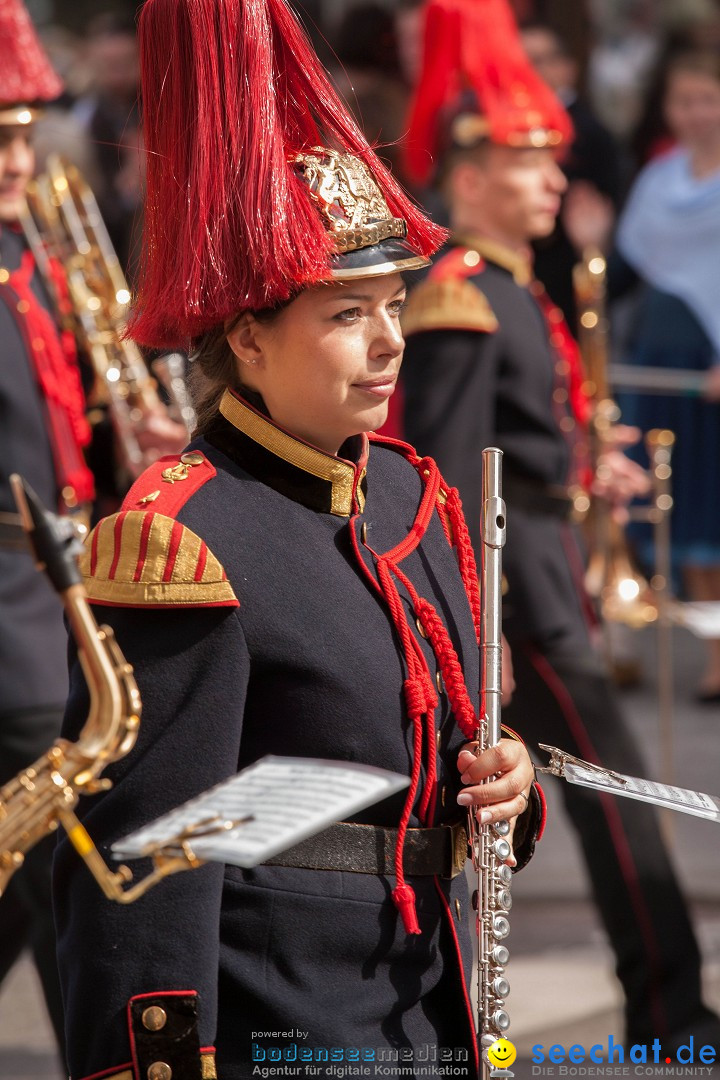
(489, 360)
(44, 436)
(285, 583)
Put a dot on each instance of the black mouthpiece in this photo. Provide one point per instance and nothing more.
(53, 538)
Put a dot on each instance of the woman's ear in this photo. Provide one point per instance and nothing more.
(243, 339)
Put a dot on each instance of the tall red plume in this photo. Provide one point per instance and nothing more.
(473, 50)
(27, 74)
(231, 91)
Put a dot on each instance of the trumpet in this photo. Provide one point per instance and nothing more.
(63, 222)
(612, 579)
(43, 796)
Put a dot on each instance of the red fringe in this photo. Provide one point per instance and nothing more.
(231, 91)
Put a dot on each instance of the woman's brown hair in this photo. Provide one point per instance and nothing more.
(214, 367)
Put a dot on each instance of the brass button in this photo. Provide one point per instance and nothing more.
(439, 682)
(363, 532)
(154, 1018)
(4, 275)
(23, 307)
(159, 1071)
(472, 258)
(439, 739)
(458, 909)
(193, 457)
(421, 628)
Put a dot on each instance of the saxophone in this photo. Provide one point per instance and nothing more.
(63, 222)
(489, 847)
(43, 796)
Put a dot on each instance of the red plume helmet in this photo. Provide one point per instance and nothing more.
(477, 83)
(27, 75)
(258, 180)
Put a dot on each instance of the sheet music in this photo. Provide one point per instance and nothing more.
(287, 800)
(673, 798)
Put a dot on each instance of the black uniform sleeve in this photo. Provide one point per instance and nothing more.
(192, 668)
(449, 380)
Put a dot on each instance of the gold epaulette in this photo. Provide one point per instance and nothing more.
(139, 558)
(449, 304)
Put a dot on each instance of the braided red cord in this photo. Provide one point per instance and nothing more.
(452, 672)
(419, 693)
(466, 557)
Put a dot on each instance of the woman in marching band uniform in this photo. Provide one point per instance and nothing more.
(286, 584)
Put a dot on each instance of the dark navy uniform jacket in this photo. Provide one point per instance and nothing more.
(33, 642)
(482, 368)
(252, 630)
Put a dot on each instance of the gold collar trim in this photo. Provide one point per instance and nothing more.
(519, 265)
(340, 474)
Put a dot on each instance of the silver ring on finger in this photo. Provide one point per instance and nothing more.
(527, 801)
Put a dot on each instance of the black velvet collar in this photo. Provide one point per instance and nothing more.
(323, 482)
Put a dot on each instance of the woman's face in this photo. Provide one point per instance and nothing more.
(692, 108)
(327, 365)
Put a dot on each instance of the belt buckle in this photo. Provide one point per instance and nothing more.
(458, 849)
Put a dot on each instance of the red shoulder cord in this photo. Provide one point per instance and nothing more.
(53, 356)
(418, 688)
(568, 350)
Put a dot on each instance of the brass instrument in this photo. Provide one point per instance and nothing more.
(489, 848)
(41, 797)
(63, 221)
(612, 579)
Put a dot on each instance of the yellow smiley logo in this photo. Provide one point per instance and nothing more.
(502, 1053)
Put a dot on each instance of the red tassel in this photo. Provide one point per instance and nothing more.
(231, 91)
(404, 900)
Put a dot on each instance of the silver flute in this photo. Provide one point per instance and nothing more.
(489, 846)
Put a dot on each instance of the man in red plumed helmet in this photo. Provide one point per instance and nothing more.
(490, 360)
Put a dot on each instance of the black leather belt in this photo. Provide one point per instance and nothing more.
(370, 849)
(537, 498)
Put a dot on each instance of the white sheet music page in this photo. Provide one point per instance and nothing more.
(672, 798)
(277, 802)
